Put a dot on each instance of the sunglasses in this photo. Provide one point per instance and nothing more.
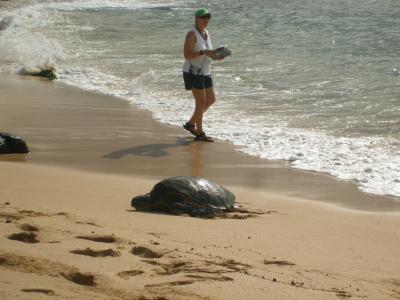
(205, 17)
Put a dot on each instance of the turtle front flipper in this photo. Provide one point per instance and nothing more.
(188, 208)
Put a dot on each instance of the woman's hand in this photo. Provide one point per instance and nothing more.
(211, 54)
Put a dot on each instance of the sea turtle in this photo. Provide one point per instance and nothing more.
(42, 71)
(194, 196)
(10, 144)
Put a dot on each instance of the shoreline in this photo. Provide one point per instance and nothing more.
(99, 133)
(67, 228)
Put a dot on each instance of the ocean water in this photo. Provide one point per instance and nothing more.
(316, 83)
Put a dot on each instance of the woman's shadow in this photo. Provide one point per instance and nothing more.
(152, 150)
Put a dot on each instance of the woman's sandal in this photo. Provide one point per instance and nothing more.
(190, 127)
(203, 138)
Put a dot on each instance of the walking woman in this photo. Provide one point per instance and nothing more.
(196, 72)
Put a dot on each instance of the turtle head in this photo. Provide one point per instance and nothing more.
(142, 202)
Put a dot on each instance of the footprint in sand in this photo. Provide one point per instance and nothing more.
(80, 278)
(9, 217)
(87, 223)
(41, 291)
(209, 278)
(32, 213)
(145, 252)
(172, 267)
(198, 270)
(278, 262)
(99, 238)
(171, 283)
(96, 253)
(26, 237)
(28, 227)
(127, 274)
(20, 214)
(342, 294)
(40, 266)
(230, 264)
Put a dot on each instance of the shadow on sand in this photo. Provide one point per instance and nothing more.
(151, 150)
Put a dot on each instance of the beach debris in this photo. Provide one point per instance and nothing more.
(10, 144)
(296, 284)
(193, 196)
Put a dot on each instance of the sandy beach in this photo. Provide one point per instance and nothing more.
(68, 231)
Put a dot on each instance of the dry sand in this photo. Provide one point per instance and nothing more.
(68, 231)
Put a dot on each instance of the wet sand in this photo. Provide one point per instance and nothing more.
(68, 127)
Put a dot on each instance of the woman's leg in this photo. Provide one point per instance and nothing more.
(210, 97)
(200, 107)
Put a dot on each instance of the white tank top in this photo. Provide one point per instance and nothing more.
(201, 65)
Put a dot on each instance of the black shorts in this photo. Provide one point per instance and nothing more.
(197, 81)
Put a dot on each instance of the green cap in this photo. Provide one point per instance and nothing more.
(202, 12)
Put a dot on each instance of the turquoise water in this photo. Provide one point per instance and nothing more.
(313, 82)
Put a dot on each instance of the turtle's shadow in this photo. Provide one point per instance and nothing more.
(151, 150)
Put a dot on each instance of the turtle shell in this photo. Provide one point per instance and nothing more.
(192, 191)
